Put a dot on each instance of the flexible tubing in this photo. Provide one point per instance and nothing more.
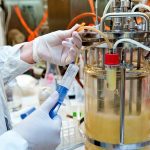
(32, 34)
(99, 32)
(107, 7)
(18, 12)
(83, 15)
(147, 2)
(44, 19)
(91, 3)
(140, 6)
(86, 14)
(132, 42)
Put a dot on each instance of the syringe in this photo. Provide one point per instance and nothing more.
(63, 88)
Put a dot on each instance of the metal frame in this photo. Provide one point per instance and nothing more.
(134, 146)
(122, 15)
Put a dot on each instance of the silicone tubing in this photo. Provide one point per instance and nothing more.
(81, 16)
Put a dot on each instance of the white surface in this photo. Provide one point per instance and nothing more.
(80, 148)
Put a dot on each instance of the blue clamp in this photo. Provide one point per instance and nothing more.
(62, 94)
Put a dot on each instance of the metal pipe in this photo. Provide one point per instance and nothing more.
(131, 58)
(125, 14)
(122, 104)
(103, 58)
(85, 57)
(97, 57)
(117, 97)
(91, 57)
(139, 58)
(130, 96)
(139, 96)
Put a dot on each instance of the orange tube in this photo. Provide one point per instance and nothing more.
(18, 13)
(83, 15)
(148, 3)
(91, 3)
(139, 20)
(45, 16)
(32, 34)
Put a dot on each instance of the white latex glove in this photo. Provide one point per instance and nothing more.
(39, 130)
(58, 47)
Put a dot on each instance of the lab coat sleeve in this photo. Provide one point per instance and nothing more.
(12, 141)
(10, 63)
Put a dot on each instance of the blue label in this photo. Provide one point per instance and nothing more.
(24, 115)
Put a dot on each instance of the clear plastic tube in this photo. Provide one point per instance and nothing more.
(99, 32)
(107, 7)
(140, 6)
(111, 73)
(69, 75)
(132, 42)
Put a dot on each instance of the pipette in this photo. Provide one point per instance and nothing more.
(63, 87)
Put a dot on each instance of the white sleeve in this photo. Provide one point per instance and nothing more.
(10, 63)
(12, 141)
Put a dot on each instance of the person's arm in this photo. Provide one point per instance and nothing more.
(26, 53)
(58, 47)
(13, 61)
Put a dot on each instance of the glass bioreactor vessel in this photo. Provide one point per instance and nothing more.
(117, 80)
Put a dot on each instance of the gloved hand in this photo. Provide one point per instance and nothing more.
(39, 130)
(58, 47)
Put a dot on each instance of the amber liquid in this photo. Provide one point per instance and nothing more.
(106, 128)
(102, 120)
